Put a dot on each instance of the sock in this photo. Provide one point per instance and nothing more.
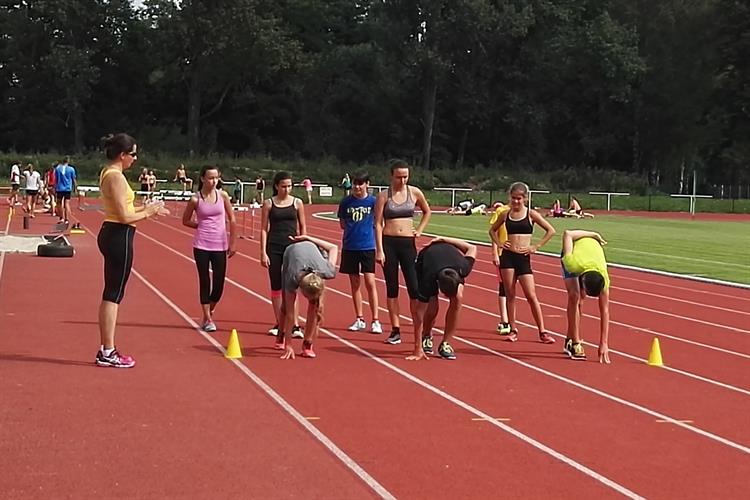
(396, 329)
(107, 351)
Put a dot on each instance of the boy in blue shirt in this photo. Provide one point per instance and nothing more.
(357, 219)
(65, 183)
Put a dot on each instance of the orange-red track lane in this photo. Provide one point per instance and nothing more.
(415, 443)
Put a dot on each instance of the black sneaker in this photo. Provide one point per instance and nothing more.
(427, 344)
(446, 351)
(394, 338)
(297, 333)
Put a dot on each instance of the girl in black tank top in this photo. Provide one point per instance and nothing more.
(282, 223)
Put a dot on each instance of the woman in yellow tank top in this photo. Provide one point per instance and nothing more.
(115, 240)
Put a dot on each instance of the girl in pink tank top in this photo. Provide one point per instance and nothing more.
(211, 243)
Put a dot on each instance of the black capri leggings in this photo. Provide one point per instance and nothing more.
(400, 250)
(217, 260)
(115, 242)
(276, 257)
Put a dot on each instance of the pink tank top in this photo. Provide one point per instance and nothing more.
(211, 234)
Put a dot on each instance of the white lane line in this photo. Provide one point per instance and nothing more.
(370, 481)
(478, 413)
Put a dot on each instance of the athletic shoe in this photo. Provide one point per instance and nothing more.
(427, 344)
(115, 360)
(577, 352)
(376, 327)
(307, 352)
(394, 338)
(568, 347)
(209, 327)
(359, 324)
(503, 328)
(546, 338)
(446, 351)
(297, 333)
(274, 331)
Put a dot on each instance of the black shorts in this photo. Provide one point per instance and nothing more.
(14, 187)
(62, 195)
(357, 261)
(144, 187)
(32, 192)
(517, 261)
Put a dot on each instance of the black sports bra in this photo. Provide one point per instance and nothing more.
(521, 226)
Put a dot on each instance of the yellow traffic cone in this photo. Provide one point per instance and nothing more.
(234, 351)
(654, 357)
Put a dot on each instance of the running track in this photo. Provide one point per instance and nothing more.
(504, 420)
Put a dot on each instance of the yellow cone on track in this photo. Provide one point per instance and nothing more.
(234, 351)
(654, 357)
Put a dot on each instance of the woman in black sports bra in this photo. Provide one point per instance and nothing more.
(282, 216)
(395, 240)
(515, 260)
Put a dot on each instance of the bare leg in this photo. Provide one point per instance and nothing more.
(372, 295)
(527, 284)
(573, 309)
(276, 304)
(451, 315)
(314, 319)
(429, 316)
(354, 281)
(509, 282)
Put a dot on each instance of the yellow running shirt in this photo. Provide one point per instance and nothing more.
(109, 211)
(502, 233)
(587, 255)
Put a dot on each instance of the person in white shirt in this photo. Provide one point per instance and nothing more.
(33, 183)
(15, 184)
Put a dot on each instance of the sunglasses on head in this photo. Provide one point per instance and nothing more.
(133, 154)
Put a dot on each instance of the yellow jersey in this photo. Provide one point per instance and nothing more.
(587, 255)
(109, 211)
(502, 233)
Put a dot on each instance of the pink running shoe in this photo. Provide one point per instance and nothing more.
(307, 352)
(114, 360)
(546, 338)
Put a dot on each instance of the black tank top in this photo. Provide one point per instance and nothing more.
(521, 226)
(283, 223)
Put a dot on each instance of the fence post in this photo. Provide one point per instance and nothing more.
(649, 202)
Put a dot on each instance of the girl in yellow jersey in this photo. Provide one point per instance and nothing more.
(115, 240)
(503, 328)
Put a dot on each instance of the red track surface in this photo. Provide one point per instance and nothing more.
(188, 423)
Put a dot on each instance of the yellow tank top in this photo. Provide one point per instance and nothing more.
(110, 215)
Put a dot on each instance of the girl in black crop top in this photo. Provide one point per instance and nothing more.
(515, 257)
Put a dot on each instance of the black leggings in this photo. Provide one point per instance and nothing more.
(275, 254)
(400, 250)
(210, 292)
(115, 243)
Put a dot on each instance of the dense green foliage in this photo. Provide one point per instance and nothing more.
(640, 90)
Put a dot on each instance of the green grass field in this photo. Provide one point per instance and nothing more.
(710, 249)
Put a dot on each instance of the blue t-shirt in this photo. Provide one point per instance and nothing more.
(64, 177)
(359, 222)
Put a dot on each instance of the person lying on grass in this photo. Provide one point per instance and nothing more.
(305, 266)
(585, 273)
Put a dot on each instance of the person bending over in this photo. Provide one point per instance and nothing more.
(585, 273)
(305, 267)
(441, 267)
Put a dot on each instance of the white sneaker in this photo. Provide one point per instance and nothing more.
(375, 327)
(297, 333)
(274, 331)
(358, 325)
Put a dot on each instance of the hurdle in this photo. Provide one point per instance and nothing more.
(244, 210)
(82, 191)
(609, 196)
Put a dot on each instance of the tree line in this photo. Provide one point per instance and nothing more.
(652, 88)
